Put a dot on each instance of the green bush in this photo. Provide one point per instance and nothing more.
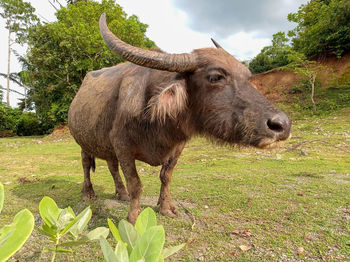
(296, 90)
(60, 223)
(328, 100)
(8, 120)
(342, 80)
(272, 56)
(322, 27)
(28, 125)
(15, 122)
(144, 242)
(304, 84)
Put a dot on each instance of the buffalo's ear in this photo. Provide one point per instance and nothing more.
(169, 102)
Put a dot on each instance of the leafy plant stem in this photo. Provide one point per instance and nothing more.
(56, 245)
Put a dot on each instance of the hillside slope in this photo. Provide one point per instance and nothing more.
(276, 84)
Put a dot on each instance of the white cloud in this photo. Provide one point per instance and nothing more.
(167, 25)
(227, 17)
(244, 45)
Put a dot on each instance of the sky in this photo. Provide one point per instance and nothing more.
(243, 28)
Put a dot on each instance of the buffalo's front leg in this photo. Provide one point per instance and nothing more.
(120, 189)
(134, 186)
(167, 207)
(88, 162)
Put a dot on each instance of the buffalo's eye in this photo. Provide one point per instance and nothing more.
(214, 78)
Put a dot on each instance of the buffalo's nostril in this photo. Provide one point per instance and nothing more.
(275, 124)
(280, 125)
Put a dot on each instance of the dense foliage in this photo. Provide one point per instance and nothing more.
(323, 26)
(272, 56)
(15, 122)
(18, 16)
(61, 53)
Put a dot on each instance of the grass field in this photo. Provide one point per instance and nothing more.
(286, 204)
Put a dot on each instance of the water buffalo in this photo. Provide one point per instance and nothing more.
(148, 109)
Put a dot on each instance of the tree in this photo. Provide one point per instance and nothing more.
(1, 94)
(61, 53)
(300, 65)
(19, 16)
(323, 26)
(272, 56)
(261, 63)
(15, 77)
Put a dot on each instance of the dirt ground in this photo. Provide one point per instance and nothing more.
(61, 130)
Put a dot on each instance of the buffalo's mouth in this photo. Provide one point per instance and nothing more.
(270, 143)
(242, 137)
(276, 129)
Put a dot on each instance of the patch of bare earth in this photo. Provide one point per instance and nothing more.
(276, 82)
(60, 131)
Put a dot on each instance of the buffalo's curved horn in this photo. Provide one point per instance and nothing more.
(216, 43)
(147, 58)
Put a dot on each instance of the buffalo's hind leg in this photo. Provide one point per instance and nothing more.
(120, 189)
(167, 207)
(88, 162)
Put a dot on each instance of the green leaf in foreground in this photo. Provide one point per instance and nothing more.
(107, 251)
(80, 222)
(145, 220)
(121, 252)
(64, 218)
(97, 233)
(49, 211)
(48, 231)
(56, 250)
(128, 234)
(149, 246)
(114, 230)
(12, 237)
(167, 252)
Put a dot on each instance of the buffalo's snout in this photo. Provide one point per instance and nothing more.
(280, 125)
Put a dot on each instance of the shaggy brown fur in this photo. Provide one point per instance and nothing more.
(168, 101)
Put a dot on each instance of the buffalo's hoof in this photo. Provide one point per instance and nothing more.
(88, 194)
(132, 216)
(123, 197)
(169, 211)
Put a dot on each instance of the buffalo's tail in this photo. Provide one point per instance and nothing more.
(88, 160)
(93, 164)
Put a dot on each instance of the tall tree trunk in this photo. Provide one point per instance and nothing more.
(312, 82)
(25, 97)
(8, 69)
